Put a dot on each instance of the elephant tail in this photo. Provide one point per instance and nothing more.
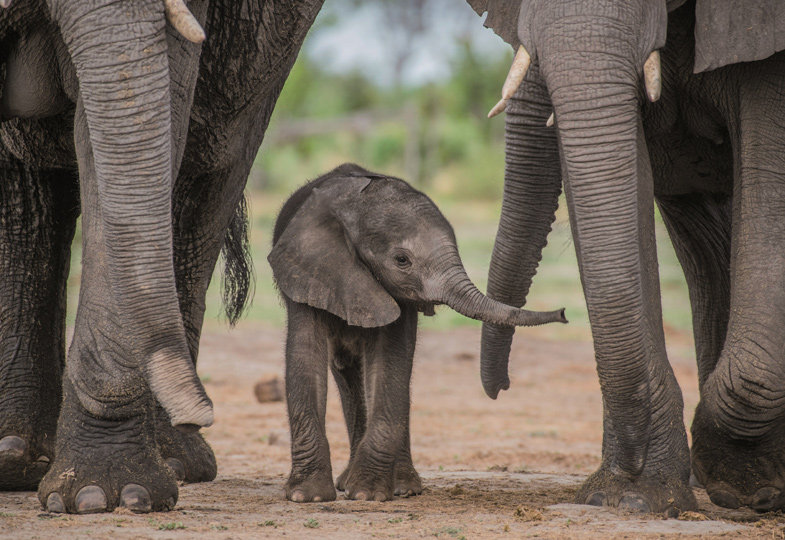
(237, 280)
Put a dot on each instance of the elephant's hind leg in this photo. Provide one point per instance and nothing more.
(348, 374)
(37, 218)
(700, 228)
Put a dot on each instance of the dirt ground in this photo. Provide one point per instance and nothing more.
(505, 468)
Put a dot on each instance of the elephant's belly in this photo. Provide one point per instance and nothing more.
(31, 87)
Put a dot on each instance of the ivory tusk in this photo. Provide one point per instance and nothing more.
(5, 3)
(652, 76)
(520, 65)
(549, 122)
(183, 20)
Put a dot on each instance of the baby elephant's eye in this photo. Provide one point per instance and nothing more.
(402, 261)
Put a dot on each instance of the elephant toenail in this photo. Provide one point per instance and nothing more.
(765, 499)
(361, 496)
(177, 468)
(724, 498)
(598, 498)
(42, 459)
(379, 496)
(54, 503)
(12, 446)
(634, 503)
(136, 498)
(90, 499)
(298, 496)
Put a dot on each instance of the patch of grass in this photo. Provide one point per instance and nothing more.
(454, 532)
(171, 526)
(269, 523)
(395, 520)
(206, 378)
(7, 514)
(311, 524)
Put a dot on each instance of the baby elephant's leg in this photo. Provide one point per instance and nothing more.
(307, 353)
(348, 373)
(383, 450)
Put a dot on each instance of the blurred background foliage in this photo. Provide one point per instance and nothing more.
(403, 87)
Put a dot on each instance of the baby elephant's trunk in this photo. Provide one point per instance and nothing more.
(458, 292)
(464, 297)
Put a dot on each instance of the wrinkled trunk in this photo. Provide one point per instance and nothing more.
(532, 183)
(610, 196)
(119, 50)
(457, 291)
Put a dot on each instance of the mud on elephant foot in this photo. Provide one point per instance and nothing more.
(658, 494)
(736, 471)
(101, 464)
(187, 454)
(407, 481)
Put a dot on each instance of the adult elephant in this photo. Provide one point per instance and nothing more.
(709, 149)
(110, 85)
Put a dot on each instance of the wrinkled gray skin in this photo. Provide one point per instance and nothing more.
(710, 152)
(94, 114)
(356, 255)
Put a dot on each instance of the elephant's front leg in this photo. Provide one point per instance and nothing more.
(307, 355)
(382, 464)
(38, 213)
(739, 426)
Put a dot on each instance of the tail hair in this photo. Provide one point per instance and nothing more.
(237, 280)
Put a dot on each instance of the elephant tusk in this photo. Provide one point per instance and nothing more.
(549, 122)
(183, 20)
(520, 65)
(652, 76)
(5, 3)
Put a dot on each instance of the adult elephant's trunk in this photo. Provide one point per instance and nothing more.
(457, 291)
(119, 50)
(532, 184)
(594, 91)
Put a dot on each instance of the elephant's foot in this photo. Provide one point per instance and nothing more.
(101, 464)
(21, 467)
(648, 494)
(739, 472)
(407, 481)
(314, 487)
(187, 454)
(365, 480)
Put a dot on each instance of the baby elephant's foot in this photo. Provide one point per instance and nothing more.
(407, 481)
(646, 494)
(362, 482)
(317, 487)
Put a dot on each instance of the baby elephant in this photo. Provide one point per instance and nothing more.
(356, 256)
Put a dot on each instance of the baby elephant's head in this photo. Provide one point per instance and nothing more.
(360, 243)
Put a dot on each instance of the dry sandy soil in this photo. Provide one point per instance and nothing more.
(506, 468)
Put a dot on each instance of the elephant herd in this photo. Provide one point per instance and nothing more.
(144, 117)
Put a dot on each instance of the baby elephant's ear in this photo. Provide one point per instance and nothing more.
(313, 263)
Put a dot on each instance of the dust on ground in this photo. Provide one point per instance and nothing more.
(504, 468)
